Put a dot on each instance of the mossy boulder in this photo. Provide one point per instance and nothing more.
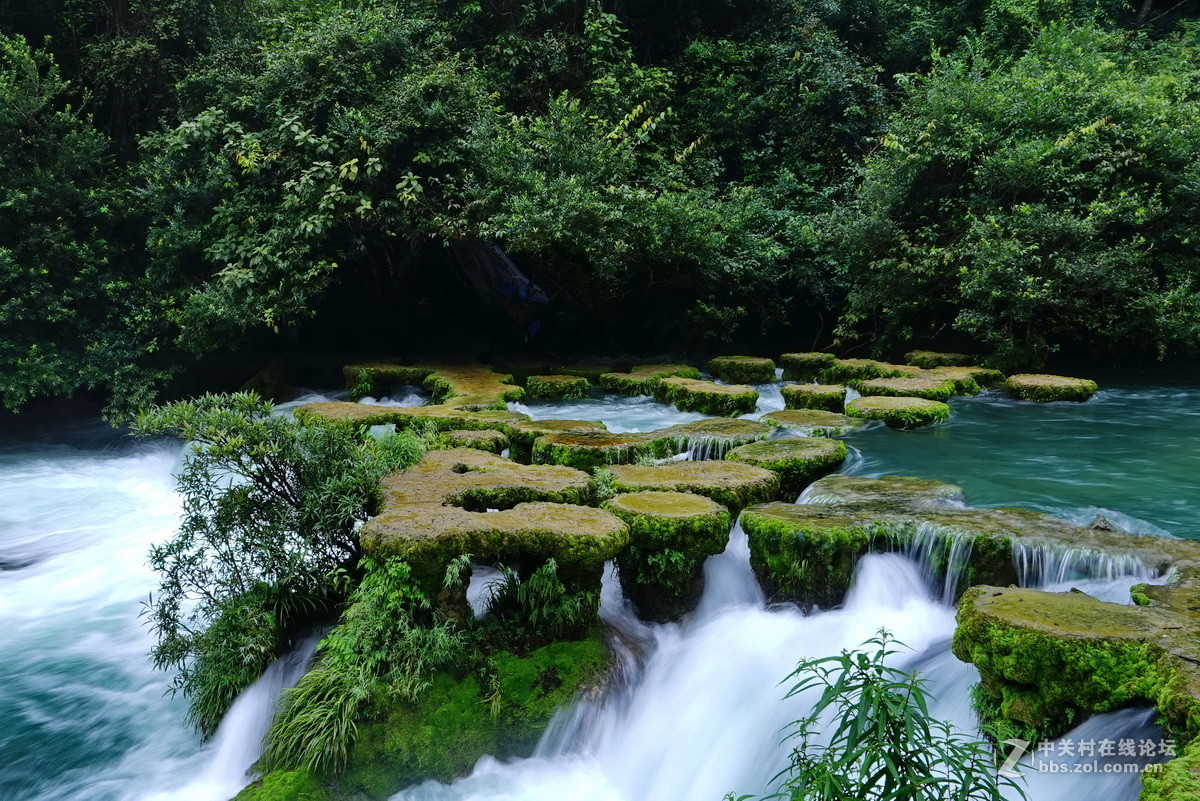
(903, 413)
(828, 397)
(500, 710)
(734, 485)
(967, 380)
(1048, 388)
(641, 379)
(1046, 660)
(813, 422)
(743, 369)
(436, 511)
(936, 389)
(691, 395)
(713, 437)
(804, 366)
(483, 439)
(670, 536)
(798, 461)
(557, 387)
(843, 371)
(523, 433)
(930, 359)
(587, 450)
(456, 385)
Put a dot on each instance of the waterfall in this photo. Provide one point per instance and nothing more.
(1049, 567)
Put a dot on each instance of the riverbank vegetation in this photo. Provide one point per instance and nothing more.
(1013, 175)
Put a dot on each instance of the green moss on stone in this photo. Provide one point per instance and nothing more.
(483, 439)
(1177, 780)
(798, 461)
(1048, 659)
(734, 485)
(842, 371)
(691, 395)
(901, 492)
(1049, 388)
(935, 389)
(587, 450)
(813, 422)
(461, 719)
(640, 380)
(899, 412)
(929, 359)
(458, 386)
(557, 387)
(285, 785)
(743, 369)
(671, 534)
(434, 512)
(967, 380)
(827, 397)
(804, 366)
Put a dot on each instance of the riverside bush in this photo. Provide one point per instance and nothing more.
(268, 537)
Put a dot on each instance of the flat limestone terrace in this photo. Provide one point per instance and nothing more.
(435, 512)
(813, 422)
(1048, 388)
(899, 412)
(798, 461)
(690, 395)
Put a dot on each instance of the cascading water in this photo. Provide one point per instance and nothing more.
(695, 711)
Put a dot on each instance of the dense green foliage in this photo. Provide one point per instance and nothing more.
(870, 734)
(178, 174)
(268, 537)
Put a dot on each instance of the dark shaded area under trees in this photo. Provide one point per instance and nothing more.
(185, 177)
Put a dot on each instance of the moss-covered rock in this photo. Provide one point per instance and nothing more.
(483, 439)
(734, 485)
(588, 449)
(936, 389)
(828, 397)
(523, 433)
(899, 412)
(798, 461)
(806, 552)
(500, 711)
(670, 536)
(1048, 659)
(455, 385)
(903, 493)
(743, 369)
(691, 395)
(435, 512)
(285, 785)
(843, 371)
(441, 418)
(804, 366)
(930, 359)
(1048, 388)
(967, 380)
(813, 422)
(641, 379)
(557, 387)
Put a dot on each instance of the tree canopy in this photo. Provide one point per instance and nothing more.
(176, 175)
